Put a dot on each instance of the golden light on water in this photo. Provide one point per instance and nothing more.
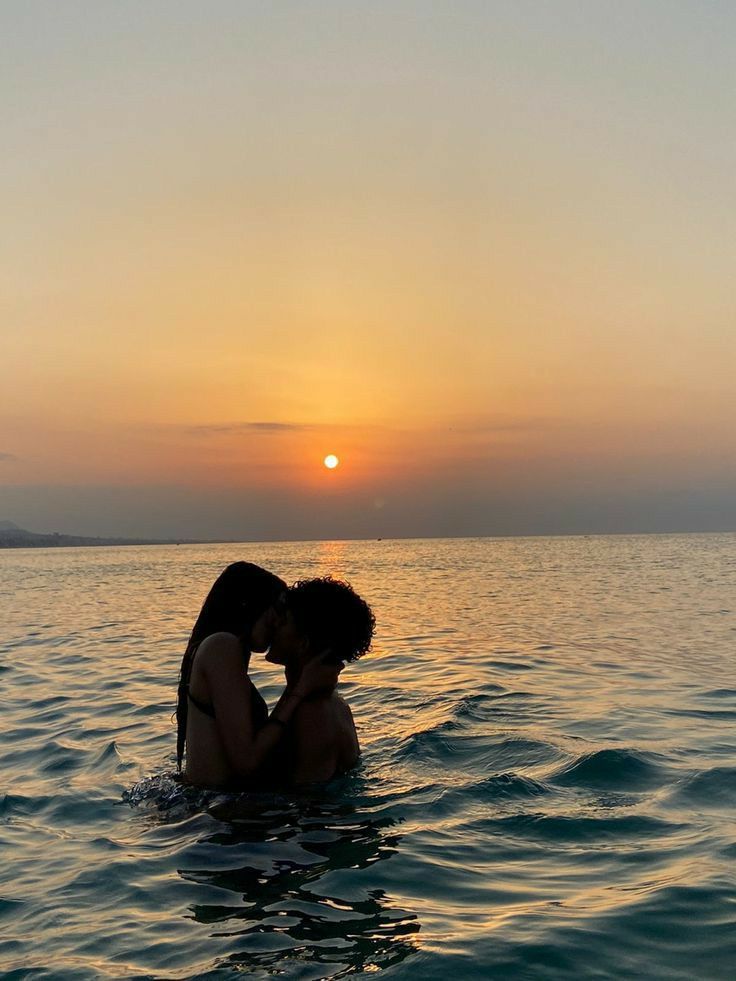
(331, 461)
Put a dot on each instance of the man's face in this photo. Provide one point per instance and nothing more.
(288, 646)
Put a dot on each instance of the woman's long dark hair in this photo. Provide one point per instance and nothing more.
(237, 599)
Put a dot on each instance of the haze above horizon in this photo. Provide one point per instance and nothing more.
(482, 253)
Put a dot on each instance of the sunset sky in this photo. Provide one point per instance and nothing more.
(482, 251)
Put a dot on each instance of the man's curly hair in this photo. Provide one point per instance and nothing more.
(330, 614)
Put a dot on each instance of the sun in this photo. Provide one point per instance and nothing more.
(331, 461)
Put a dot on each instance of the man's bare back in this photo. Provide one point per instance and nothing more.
(323, 739)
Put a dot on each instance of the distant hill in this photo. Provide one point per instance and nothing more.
(11, 536)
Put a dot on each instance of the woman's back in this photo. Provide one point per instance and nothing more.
(206, 761)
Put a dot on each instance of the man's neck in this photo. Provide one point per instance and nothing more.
(322, 695)
(292, 676)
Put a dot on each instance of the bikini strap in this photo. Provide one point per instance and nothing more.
(202, 706)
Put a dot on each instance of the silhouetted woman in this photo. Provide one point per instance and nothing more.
(222, 719)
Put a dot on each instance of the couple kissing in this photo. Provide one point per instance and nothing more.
(226, 738)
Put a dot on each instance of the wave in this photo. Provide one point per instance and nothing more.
(611, 768)
(484, 707)
(502, 787)
(446, 744)
(711, 788)
(576, 830)
(719, 715)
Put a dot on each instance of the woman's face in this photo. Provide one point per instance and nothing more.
(261, 636)
(263, 630)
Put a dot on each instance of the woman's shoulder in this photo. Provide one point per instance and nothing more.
(218, 644)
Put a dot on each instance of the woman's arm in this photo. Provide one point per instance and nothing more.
(229, 688)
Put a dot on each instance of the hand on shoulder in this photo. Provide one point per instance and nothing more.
(321, 673)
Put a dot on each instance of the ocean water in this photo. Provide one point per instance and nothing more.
(547, 787)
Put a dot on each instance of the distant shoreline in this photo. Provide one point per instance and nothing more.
(19, 538)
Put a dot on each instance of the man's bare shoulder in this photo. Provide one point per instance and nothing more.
(325, 736)
(328, 714)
